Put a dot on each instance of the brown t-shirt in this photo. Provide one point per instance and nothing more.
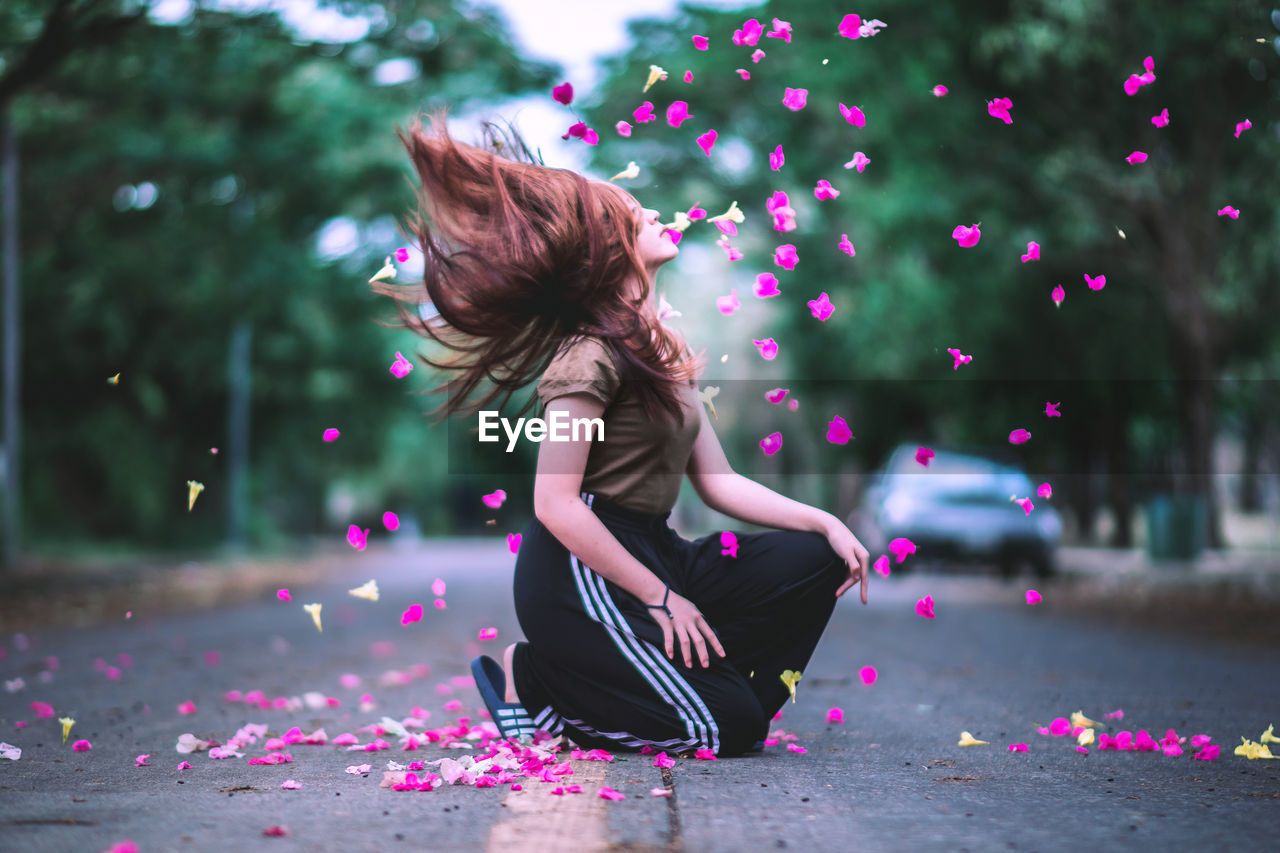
(640, 463)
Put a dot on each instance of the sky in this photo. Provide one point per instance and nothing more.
(574, 33)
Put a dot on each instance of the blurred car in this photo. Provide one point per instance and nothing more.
(961, 507)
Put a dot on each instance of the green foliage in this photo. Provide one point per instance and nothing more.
(175, 184)
(1181, 280)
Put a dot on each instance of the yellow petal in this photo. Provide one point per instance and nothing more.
(387, 272)
(1085, 737)
(705, 395)
(789, 678)
(367, 591)
(1079, 719)
(67, 723)
(734, 214)
(632, 171)
(655, 74)
(314, 610)
(1269, 735)
(114, 380)
(681, 222)
(967, 739)
(193, 491)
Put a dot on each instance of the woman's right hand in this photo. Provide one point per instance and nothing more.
(686, 625)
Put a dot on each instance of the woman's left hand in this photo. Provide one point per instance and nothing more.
(856, 557)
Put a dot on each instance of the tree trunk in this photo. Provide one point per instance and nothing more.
(1251, 466)
(10, 471)
(1115, 425)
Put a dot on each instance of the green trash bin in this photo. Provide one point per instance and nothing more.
(1176, 526)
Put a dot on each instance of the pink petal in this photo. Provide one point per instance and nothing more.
(591, 137)
(824, 190)
(439, 604)
(781, 29)
(413, 614)
(664, 760)
(847, 247)
(608, 793)
(728, 544)
(488, 634)
(677, 113)
(331, 434)
(744, 73)
(707, 141)
(794, 748)
(1136, 157)
(854, 116)
(437, 587)
(923, 455)
(749, 34)
(868, 675)
(771, 443)
(1060, 727)
(901, 548)
(838, 431)
(660, 792)
(967, 237)
(1058, 295)
(794, 99)
(939, 91)
(563, 93)
(81, 746)
(757, 55)
(1229, 211)
(1045, 490)
(705, 755)
(642, 114)
(402, 255)
(513, 542)
(835, 715)
(1198, 741)
(776, 159)
(1132, 84)
(141, 760)
(785, 256)
(1033, 597)
(728, 304)
(688, 76)
(184, 765)
(186, 708)
(283, 595)
(1209, 753)
(821, 307)
(924, 607)
(777, 395)
(850, 26)
(1017, 747)
(858, 162)
(1161, 120)
(1026, 504)
(1241, 127)
(623, 128)
(1019, 436)
(881, 565)
(290, 784)
(766, 284)
(1095, 283)
(357, 538)
(958, 358)
(999, 108)
(768, 348)
(1033, 252)
(700, 42)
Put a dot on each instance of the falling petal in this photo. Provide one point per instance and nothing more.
(400, 369)
(924, 607)
(858, 162)
(513, 542)
(624, 128)
(838, 431)
(700, 42)
(790, 678)
(854, 116)
(314, 610)
(939, 91)
(563, 93)
(1019, 436)
(732, 215)
(958, 358)
(768, 348)
(193, 491)
(767, 283)
(1241, 127)
(744, 73)
(387, 272)
(1033, 252)
(707, 394)
(357, 538)
(1033, 597)
(795, 99)
(632, 171)
(824, 191)
(771, 443)
(882, 565)
(283, 595)
(1136, 157)
(999, 108)
(391, 521)
(776, 159)
(850, 26)
(966, 236)
(402, 255)
(707, 141)
(923, 455)
(1096, 283)
(868, 675)
(757, 55)
(678, 113)
(331, 434)
(1058, 295)
(642, 115)
(367, 591)
(1161, 120)
(901, 548)
(821, 307)
(655, 74)
(785, 256)
(1229, 211)
(113, 380)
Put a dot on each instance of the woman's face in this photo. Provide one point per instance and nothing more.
(652, 243)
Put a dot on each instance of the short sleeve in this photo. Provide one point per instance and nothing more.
(583, 366)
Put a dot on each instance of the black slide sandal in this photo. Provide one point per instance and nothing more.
(511, 718)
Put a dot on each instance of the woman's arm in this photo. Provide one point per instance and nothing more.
(557, 503)
(724, 490)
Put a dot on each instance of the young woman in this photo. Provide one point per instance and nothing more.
(635, 636)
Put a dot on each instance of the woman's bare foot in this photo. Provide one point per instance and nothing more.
(507, 654)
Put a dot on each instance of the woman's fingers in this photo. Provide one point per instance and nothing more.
(706, 628)
(666, 638)
(684, 647)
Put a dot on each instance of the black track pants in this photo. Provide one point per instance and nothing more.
(594, 666)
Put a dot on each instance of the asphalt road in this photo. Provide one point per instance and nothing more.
(891, 777)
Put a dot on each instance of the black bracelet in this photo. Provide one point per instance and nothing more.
(663, 605)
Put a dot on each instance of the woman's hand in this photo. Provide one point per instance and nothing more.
(856, 557)
(687, 625)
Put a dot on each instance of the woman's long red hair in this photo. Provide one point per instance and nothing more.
(520, 257)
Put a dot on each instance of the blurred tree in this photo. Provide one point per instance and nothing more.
(1188, 293)
(177, 186)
